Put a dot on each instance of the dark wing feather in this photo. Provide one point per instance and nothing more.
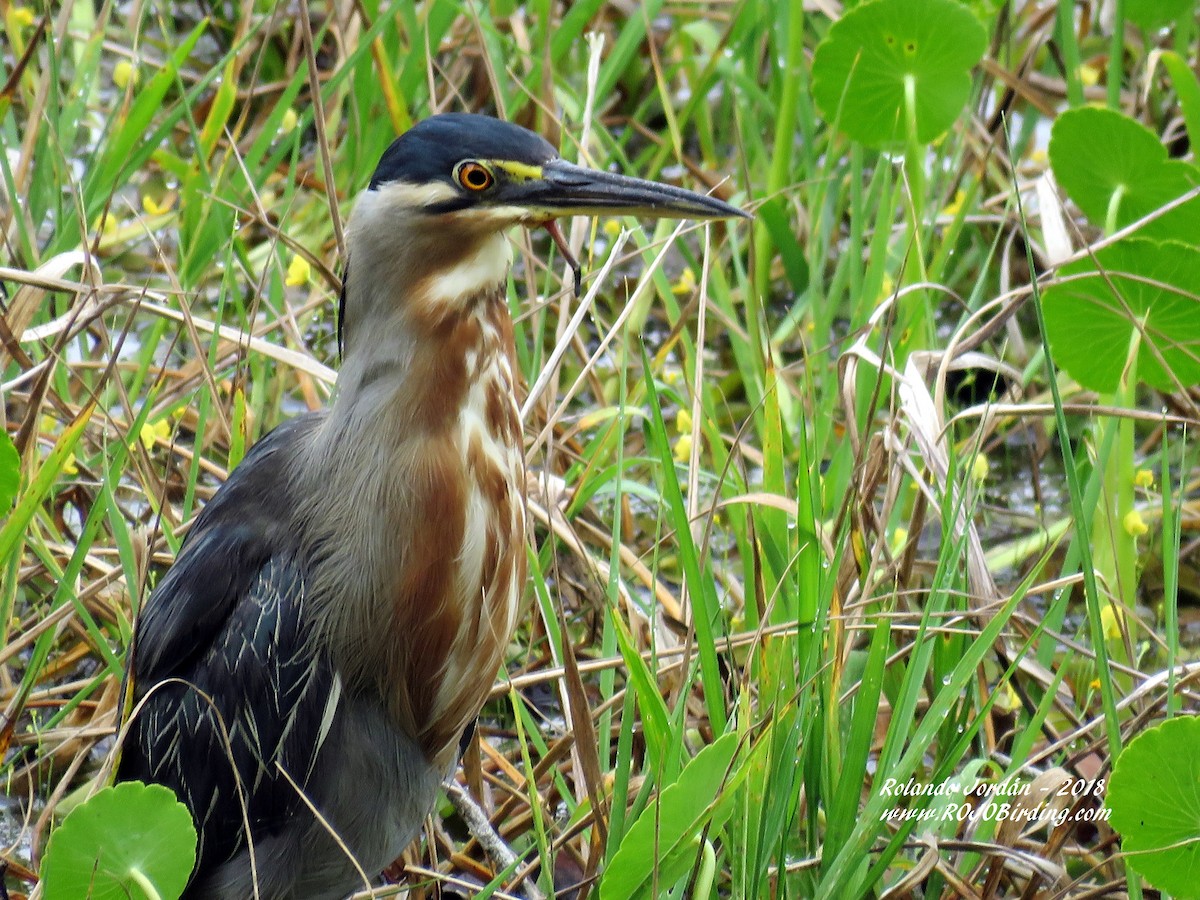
(243, 526)
(230, 683)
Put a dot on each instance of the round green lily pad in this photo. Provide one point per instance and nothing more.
(133, 840)
(882, 56)
(1117, 171)
(1154, 795)
(1156, 13)
(1092, 312)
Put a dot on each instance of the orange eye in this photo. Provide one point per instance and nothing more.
(474, 177)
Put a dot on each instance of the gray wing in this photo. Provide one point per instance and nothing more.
(231, 685)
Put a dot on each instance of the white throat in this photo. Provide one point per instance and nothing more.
(472, 275)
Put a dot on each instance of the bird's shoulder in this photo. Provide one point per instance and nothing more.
(247, 525)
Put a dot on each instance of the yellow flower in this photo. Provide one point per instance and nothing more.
(20, 17)
(672, 376)
(1110, 622)
(298, 271)
(980, 467)
(1143, 478)
(69, 465)
(288, 124)
(683, 421)
(886, 289)
(686, 283)
(1135, 525)
(125, 73)
(683, 448)
(153, 432)
(107, 226)
(1006, 698)
(156, 207)
(955, 205)
(1089, 75)
(611, 227)
(899, 539)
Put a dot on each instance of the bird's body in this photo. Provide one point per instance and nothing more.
(341, 607)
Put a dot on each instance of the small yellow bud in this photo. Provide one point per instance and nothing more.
(69, 465)
(1143, 478)
(1135, 525)
(683, 422)
(1089, 75)
(125, 73)
(1007, 699)
(20, 17)
(683, 448)
(611, 227)
(288, 123)
(686, 283)
(899, 539)
(157, 207)
(108, 226)
(980, 467)
(1110, 622)
(952, 209)
(153, 432)
(672, 376)
(298, 271)
(886, 289)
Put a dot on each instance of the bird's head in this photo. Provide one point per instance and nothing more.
(467, 169)
(447, 190)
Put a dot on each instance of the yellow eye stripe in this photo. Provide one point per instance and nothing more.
(519, 171)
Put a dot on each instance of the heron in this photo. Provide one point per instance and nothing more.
(308, 670)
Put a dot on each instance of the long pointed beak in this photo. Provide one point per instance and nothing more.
(565, 189)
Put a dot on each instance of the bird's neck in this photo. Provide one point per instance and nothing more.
(417, 312)
(421, 454)
(406, 278)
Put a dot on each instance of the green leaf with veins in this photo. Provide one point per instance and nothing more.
(1092, 312)
(133, 840)
(883, 58)
(1154, 795)
(1117, 171)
